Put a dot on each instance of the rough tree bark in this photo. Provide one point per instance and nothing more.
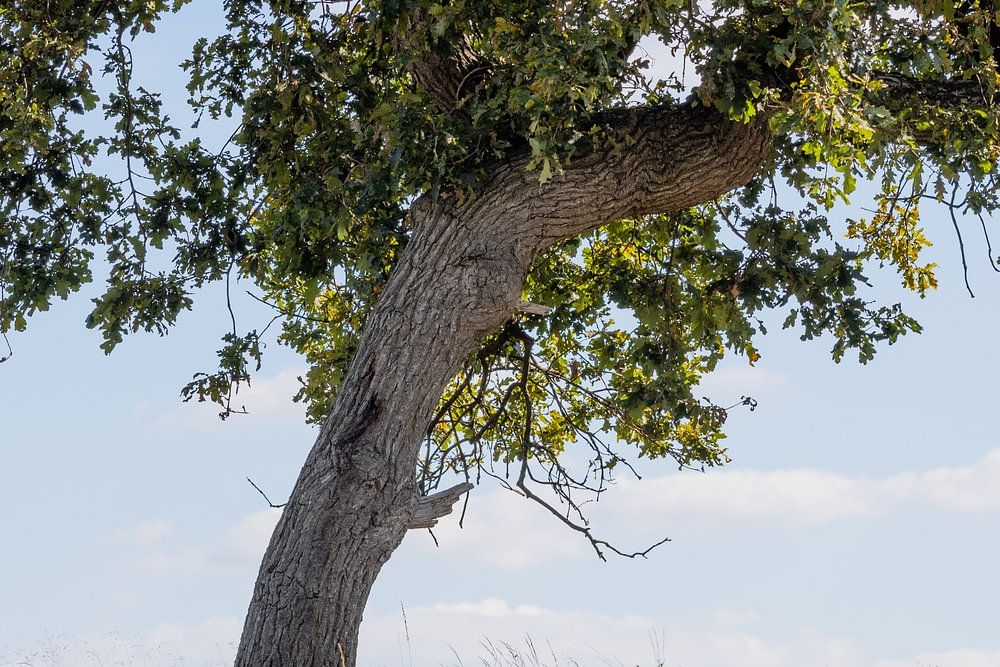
(459, 279)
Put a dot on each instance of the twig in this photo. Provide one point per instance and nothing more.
(749, 401)
(585, 530)
(265, 496)
(10, 350)
(287, 313)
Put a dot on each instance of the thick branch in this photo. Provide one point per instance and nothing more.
(447, 79)
(673, 158)
(947, 93)
(656, 160)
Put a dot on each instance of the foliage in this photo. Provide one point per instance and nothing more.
(308, 198)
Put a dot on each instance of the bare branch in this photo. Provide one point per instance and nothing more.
(961, 243)
(272, 505)
(585, 530)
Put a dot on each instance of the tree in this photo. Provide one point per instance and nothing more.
(449, 205)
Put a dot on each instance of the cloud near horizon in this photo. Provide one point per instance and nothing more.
(785, 499)
(791, 497)
(506, 532)
(455, 633)
(438, 634)
(805, 495)
(148, 547)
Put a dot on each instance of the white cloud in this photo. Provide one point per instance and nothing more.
(246, 540)
(807, 495)
(502, 530)
(505, 531)
(974, 488)
(477, 630)
(213, 641)
(266, 399)
(471, 632)
(145, 532)
(237, 551)
(730, 382)
(968, 657)
(271, 397)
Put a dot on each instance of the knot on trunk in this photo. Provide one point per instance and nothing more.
(433, 507)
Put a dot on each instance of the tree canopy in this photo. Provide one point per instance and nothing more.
(350, 114)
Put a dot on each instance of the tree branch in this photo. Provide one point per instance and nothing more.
(944, 93)
(646, 160)
(446, 79)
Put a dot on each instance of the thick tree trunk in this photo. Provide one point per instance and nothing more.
(459, 279)
(356, 493)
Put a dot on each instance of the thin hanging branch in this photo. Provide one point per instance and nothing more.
(961, 243)
(989, 248)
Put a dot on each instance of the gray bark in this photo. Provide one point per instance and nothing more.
(459, 279)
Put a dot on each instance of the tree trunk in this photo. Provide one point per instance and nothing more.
(459, 279)
(357, 491)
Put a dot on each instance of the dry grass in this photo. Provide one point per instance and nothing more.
(116, 651)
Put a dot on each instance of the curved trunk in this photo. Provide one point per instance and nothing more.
(357, 492)
(459, 279)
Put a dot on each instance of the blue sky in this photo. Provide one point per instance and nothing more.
(859, 523)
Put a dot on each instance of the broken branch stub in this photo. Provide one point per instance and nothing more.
(436, 505)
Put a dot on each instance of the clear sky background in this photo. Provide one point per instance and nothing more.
(858, 525)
